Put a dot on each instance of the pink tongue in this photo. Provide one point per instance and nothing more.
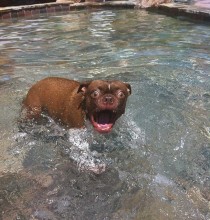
(103, 118)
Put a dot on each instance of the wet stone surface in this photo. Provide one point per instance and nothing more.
(62, 198)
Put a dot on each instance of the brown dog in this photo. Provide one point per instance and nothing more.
(68, 101)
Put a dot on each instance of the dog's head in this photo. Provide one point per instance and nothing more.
(105, 102)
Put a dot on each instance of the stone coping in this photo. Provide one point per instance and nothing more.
(191, 11)
(172, 9)
(33, 10)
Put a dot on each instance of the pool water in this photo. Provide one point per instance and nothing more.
(156, 159)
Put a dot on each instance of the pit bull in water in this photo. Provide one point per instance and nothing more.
(71, 102)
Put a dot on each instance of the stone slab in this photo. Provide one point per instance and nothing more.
(179, 9)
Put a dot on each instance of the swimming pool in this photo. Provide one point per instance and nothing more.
(157, 156)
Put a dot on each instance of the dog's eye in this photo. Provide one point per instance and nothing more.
(120, 94)
(95, 94)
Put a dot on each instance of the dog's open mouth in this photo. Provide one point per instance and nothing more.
(103, 121)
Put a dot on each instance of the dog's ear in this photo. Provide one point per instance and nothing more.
(128, 88)
(83, 87)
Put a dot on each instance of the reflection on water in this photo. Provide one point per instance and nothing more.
(155, 163)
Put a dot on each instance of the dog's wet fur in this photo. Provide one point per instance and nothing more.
(71, 102)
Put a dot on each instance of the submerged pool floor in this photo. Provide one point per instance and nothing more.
(156, 158)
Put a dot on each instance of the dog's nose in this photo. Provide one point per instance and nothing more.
(108, 100)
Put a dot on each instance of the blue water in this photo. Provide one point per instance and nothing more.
(157, 157)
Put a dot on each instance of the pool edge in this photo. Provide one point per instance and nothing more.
(171, 9)
(180, 9)
(49, 8)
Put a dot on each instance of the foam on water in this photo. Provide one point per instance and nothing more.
(88, 148)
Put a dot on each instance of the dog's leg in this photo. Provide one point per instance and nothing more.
(32, 107)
